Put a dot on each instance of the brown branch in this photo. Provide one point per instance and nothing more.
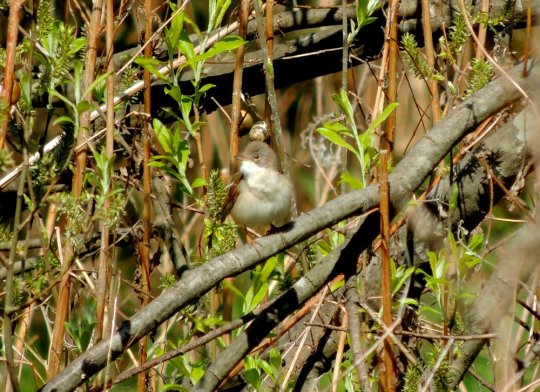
(430, 55)
(388, 374)
(8, 81)
(237, 86)
(387, 139)
(144, 247)
(8, 319)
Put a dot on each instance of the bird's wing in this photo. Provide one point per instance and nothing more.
(232, 195)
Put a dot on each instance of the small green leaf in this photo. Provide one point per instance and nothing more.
(336, 139)
(83, 106)
(224, 45)
(151, 64)
(63, 119)
(199, 182)
(348, 179)
(227, 284)
(268, 268)
(382, 117)
(172, 34)
(253, 377)
(206, 87)
(97, 82)
(185, 45)
(259, 296)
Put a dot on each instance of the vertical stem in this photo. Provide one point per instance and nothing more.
(269, 34)
(235, 125)
(388, 377)
(355, 330)
(482, 29)
(430, 54)
(104, 268)
(339, 353)
(527, 43)
(62, 309)
(147, 208)
(10, 277)
(387, 140)
(344, 63)
(11, 47)
(89, 69)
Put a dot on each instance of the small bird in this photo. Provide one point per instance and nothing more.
(260, 195)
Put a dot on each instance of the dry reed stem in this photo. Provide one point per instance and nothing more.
(144, 247)
(57, 342)
(387, 139)
(104, 266)
(527, 47)
(217, 137)
(8, 322)
(482, 29)
(388, 378)
(11, 48)
(430, 55)
(62, 309)
(340, 349)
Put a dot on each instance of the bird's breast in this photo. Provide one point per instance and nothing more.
(263, 199)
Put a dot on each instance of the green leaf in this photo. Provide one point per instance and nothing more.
(336, 286)
(348, 179)
(151, 64)
(253, 377)
(175, 93)
(206, 87)
(338, 127)
(335, 138)
(83, 106)
(224, 45)
(342, 100)
(197, 373)
(163, 135)
(185, 45)
(265, 366)
(64, 99)
(382, 117)
(257, 298)
(63, 119)
(199, 182)
(98, 81)
(268, 268)
(399, 282)
(227, 284)
(172, 34)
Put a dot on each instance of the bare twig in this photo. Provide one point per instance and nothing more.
(388, 378)
(430, 54)
(144, 247)
(8, 82)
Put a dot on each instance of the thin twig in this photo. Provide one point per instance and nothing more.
(430, 55)
(144, 247)
(389, 375)
(237, 86)
(340, 349)
(11, 47)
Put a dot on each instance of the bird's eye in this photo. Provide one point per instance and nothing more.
(257, 157)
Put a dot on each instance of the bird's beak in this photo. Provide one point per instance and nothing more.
(241, 157)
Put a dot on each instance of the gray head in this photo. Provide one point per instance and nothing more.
(259, 153)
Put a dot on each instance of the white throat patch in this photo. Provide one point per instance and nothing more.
(250, 168)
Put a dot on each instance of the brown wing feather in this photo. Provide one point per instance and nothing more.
(231, 196)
